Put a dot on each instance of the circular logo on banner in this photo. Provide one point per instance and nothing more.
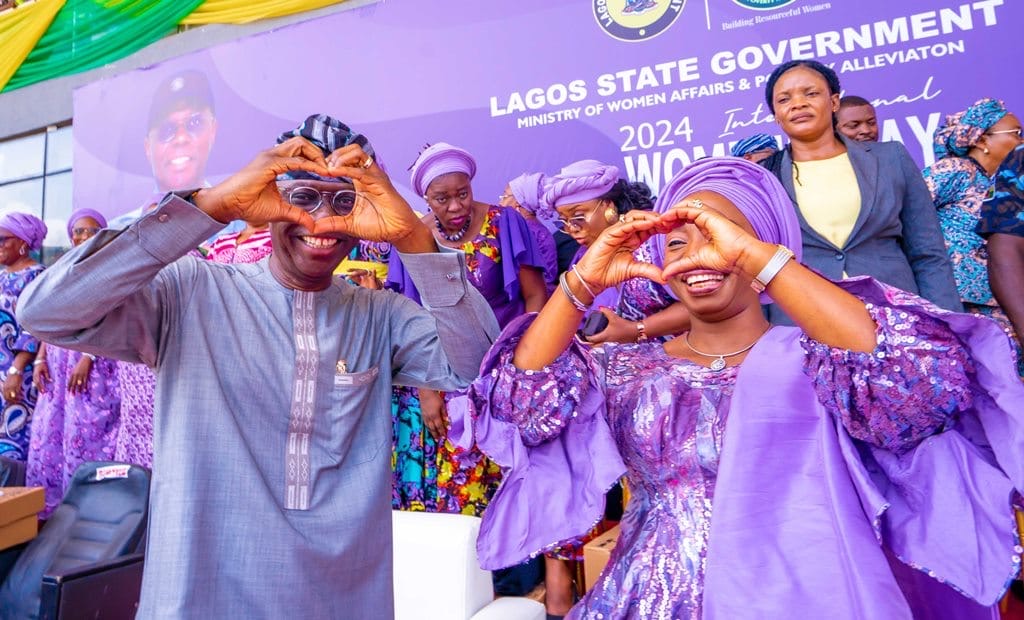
(637, 20)
(763, 5)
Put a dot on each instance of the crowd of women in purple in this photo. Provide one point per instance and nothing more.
(826, 336)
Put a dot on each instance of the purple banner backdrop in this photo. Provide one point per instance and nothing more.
(650, 85)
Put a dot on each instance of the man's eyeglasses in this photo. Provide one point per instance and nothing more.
(442, 201)
(1016, 131)
(195, 125)
(309, 199)
(84, 230)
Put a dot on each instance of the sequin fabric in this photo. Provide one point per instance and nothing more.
(640, 297)
(668, 418)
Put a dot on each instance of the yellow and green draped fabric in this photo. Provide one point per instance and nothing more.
(45, 39)
(245, 11)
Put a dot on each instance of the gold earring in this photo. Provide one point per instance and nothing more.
(984, 150)
(610, 214)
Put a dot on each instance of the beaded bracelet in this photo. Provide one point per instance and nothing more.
(563, 283)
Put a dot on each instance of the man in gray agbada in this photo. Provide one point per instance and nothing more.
(272, 429)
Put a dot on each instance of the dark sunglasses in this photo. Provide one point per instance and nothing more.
(195, 125)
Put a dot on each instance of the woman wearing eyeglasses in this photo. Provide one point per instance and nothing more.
(20, 235)
(1002, 227)
(584, 199)
(505, 266)
(79, 409)
(969, 148)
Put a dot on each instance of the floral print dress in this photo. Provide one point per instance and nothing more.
(439, 477)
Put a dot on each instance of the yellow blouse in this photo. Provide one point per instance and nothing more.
(828, 196)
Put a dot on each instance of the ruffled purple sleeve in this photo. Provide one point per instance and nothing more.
(907, 389)
(546, 250)
(399, 279)
(547, 430)
(540, 403)
(518, 248)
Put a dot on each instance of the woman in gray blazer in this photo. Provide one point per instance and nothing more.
(864, 208)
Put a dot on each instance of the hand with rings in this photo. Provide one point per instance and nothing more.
(12, 388)
(609, 260)
(727, 246)
(78, 380)
(380, 212)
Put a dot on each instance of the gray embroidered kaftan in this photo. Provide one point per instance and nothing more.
(272, 429)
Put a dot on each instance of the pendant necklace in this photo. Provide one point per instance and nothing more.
(718, 361)
(457, 236)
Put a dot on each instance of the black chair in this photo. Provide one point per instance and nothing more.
(12, 472)
(86, 561)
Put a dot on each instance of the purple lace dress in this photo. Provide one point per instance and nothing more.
(71, 429)
(664, 421)
(135, 434)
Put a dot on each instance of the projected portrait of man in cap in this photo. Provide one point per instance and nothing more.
(181, 131)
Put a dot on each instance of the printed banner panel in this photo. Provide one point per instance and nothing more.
(650, 85)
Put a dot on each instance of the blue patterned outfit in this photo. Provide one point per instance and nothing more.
(15, 417)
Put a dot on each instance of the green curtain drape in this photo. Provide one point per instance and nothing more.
(86, 34)
(20, 30)
(245, 11)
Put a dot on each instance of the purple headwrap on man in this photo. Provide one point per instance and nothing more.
(26, 227)
(328, 134)
(527, 189)
(78, 214)
(439, 159)
(578, 182)
(962, 130)
(753, 189)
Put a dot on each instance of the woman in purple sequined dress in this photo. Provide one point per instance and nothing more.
(859, 465)
(76, 418)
